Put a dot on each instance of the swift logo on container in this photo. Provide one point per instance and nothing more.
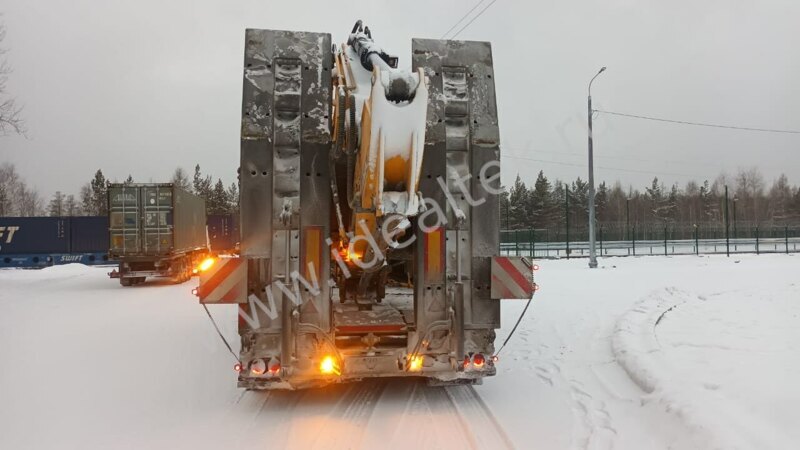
(9, 233)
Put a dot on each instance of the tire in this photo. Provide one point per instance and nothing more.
(126, 281)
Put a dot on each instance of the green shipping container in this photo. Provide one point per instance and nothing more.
(149, 219)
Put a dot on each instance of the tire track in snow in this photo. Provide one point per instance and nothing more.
(346, 424)
(477, 418)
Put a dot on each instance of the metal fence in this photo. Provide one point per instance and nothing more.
(538, 243)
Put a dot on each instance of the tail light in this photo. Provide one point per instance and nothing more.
(274, 366)
(258, 367)
(478, 361)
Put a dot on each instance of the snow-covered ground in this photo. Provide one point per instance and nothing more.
(648, 352)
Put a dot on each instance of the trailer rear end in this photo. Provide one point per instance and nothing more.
(368, 248)
(156, 230)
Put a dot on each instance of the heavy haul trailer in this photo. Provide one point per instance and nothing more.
(369, 214)
(35, 242)
(156, 230)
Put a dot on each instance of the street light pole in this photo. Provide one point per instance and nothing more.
(592, 250)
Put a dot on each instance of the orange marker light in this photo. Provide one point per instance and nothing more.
(415, 364)
(206, 264)
(328, 366)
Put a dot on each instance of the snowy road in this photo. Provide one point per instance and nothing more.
(650, 352)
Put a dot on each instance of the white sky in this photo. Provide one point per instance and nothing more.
(141, 87)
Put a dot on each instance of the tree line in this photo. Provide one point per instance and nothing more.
(550, 205)
(17, 198)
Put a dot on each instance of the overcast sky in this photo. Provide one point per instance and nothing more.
(143, 86)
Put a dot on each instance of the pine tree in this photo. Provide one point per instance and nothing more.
(601, 202)
(540, 204)
(671, 204)
(233, 198)
(655, 195)
(505, 213)
(218, 199)
(201, 184)
(707, 204)
(99, 201)
(517, 202)
(579, 203)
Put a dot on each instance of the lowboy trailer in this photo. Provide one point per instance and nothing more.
(369, 214)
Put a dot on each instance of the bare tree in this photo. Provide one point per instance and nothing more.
(180, 179)
(56, 206)
(10, 114)
(9, 180)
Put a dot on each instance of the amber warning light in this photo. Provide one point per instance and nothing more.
(205, 265)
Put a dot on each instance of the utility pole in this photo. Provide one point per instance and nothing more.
(592, 250)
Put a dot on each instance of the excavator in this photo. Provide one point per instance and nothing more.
(370, 217)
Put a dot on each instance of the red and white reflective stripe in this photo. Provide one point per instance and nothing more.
(512, 277)
(224, 282)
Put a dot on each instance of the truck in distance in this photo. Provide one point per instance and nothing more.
(155, 230)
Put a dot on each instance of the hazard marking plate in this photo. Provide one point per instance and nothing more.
(512, 278)
(224, 282)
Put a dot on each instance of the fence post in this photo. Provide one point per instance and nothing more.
(696, 241)
(786, 238)
(756, 239)
(634, 240)
(531, 238)
(727, 226)
(516, 241)
(566, 215)
(665, 240)
(601, 241)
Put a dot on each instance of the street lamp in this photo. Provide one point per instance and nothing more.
(592, 251)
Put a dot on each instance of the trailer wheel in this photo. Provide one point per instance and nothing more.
(125, 281)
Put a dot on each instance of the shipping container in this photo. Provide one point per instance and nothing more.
(155, 220)
(25, 235)
(88, 234)
(45, 241)
(156, 229)
(223, 232)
